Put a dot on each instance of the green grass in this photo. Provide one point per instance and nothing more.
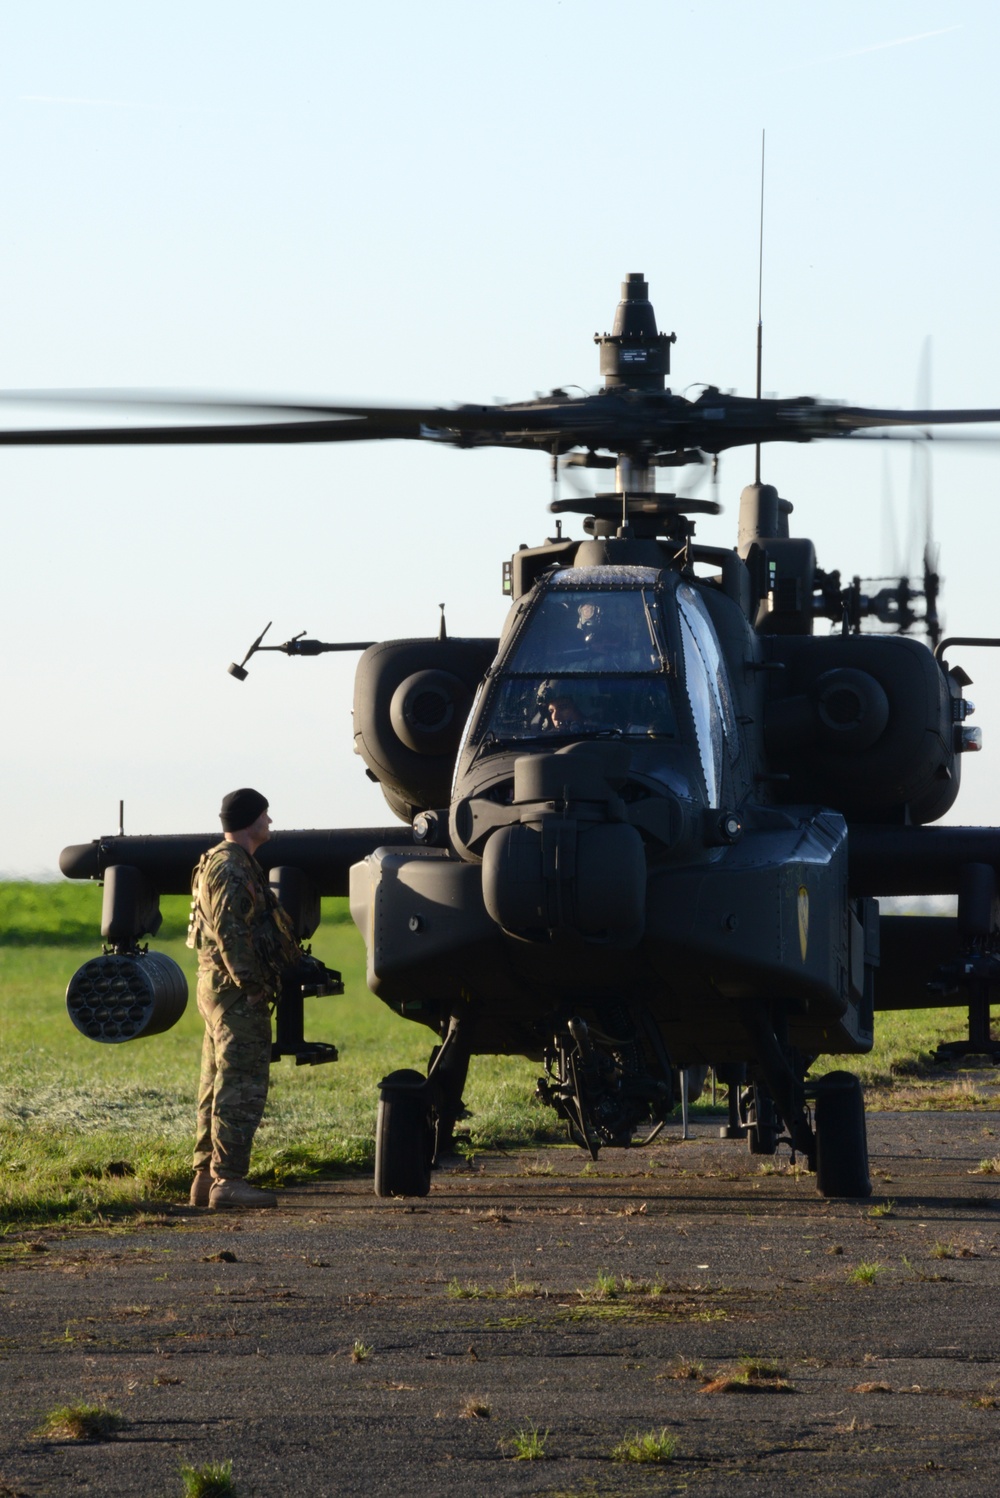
(81, 1422)
(527, 1445)
(750, 1376)
(654, 1446)
(213, 1480)
(865, 1273)
(903, 1053)
(89, 1130)
(605, 1287)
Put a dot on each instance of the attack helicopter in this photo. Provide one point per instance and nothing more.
(643, 831)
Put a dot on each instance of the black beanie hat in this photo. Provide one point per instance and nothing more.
(241, 809)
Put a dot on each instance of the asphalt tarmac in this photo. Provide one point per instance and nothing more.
(341, 1345)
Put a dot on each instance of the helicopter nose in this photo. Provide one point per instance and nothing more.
(556, 874)
(571, 864)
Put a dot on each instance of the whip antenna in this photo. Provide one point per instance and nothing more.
(760, 297)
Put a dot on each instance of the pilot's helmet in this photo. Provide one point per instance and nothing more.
(552, 689)
(565, 699)
(588, 616)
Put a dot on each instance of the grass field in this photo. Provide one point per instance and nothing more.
(89, 1130)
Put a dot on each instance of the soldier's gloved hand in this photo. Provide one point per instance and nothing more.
(316, 979)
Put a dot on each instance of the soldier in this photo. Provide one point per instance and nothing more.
(243, 940)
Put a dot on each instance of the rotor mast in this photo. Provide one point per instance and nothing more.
(635, 356)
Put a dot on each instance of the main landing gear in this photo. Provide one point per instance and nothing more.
(773, 1108)
(607, 1079)
(417, 1115)
(841, 1136)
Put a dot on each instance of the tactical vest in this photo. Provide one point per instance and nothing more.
(271, 933)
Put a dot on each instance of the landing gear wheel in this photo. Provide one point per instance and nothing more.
(761, 1120)
(404, 1136)
(841, 1137)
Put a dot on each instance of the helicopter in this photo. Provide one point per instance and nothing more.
(643, 831)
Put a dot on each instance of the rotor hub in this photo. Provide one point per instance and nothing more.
(634, 355)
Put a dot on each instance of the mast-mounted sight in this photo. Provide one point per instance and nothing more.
(634, 354)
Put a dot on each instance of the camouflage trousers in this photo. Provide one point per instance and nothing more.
(232, 1091)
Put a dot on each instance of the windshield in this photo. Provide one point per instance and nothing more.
(708, 690)
(531, 707)
(587, 661)
(578, 630)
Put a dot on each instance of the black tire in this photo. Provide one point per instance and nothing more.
(763, 1131)
(404, 1136)
(841, 1137)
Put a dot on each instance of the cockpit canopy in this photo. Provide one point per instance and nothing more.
(588, 660)
(628, 652)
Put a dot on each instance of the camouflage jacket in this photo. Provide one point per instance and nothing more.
(242, 936)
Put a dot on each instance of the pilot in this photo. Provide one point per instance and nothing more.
(564, 714)
(243, 941)
(567, 706)
(616, 634)
(588, 619)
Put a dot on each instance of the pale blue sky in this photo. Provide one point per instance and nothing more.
(438, 203)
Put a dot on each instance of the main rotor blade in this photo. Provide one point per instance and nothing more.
(617, 421)
(969, 439)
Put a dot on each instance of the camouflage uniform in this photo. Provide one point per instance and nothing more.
(243, 940)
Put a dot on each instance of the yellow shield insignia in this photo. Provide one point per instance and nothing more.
(803, 920)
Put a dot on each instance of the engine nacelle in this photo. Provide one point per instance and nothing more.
(411, 702)
(864, 724)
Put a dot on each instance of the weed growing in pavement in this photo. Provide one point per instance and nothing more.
(750, 1376)
(923, 1276)
(882, 1209)
(496, 1216)
(654, 1446)
(527, 1445)
(213, 1480)
(865, 1273)
(684, 1368)
(81, 1422)
(516, 1289)
(652, 1288)
(605, 1287)
(758, 1370)
(360, 1352)
(475, 1407)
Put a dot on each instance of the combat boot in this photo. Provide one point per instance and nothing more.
(201, 1188)
(227, 1194)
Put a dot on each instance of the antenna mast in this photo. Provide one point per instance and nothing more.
(760, 296)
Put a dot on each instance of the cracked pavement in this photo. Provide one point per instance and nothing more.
(337, 1344)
